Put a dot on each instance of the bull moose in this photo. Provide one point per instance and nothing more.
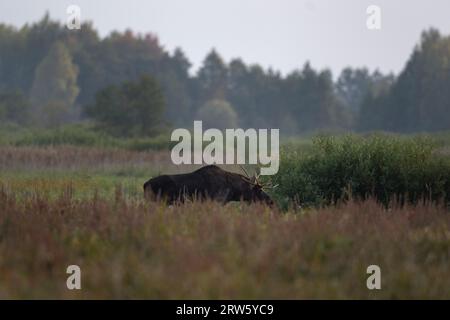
(209, 182)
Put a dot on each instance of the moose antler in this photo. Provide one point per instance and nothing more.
(245, 171)
(266, 185)
(255, 180)
(256, 177)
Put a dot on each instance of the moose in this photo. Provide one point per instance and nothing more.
(209, 182)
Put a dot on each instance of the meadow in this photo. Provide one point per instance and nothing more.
(344, 203)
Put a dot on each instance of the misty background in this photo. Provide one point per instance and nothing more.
(279, 34)
(139, 68)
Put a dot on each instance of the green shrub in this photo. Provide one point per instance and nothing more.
(385, 167)
(67, 135)
(161, 142)
(79, 135)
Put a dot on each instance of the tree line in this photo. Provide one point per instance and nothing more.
(129, 84)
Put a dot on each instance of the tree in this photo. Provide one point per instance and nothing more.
(134, 108)
(352, 86)
(217, 114)
(212, 77)
(54, 87)
(357, 90)
(419, 99)
(256, 95)
(12, 59)
(177, 87)
(14, 107)
(374, 109)
(310, 98)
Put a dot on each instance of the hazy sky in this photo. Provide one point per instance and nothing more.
(282, 34)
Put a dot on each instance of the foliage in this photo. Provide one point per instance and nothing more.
(390, 169)
(15, 108)
(133, 109)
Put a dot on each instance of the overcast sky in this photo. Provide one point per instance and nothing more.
(282, 34)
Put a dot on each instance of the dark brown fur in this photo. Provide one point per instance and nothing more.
(210, 182)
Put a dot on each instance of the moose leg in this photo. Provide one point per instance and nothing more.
(223, 196)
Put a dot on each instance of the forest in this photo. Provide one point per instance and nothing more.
(51, 76)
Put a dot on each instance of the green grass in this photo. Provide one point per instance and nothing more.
(83, 185)
(78, 135)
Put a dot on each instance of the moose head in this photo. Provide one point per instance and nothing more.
(254, 188)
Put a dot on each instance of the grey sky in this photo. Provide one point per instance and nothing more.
(283, 34)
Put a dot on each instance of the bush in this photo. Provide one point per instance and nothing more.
(78, 135)
(384, 167)
(161, 142)
(66, 135)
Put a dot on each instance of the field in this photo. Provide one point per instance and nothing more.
(83, 205)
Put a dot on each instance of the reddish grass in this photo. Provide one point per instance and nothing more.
(70, 157)
(29, 158)
(130, 249)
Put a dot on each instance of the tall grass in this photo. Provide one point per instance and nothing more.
(130, 249)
